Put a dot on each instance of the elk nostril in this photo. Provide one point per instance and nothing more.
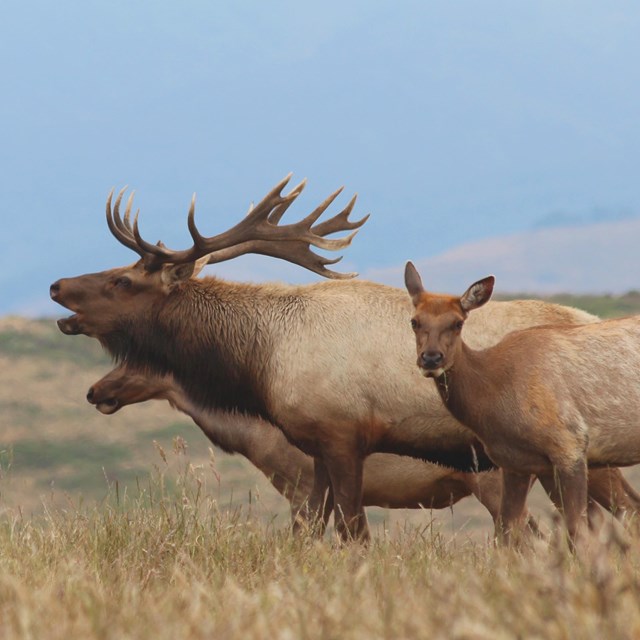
(54, 289)
(431, 358)
(90, 394)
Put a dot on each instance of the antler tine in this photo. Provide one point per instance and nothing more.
(276, 215)
(260, 213)
(148, 248)
(116, 213)
(274, 200)
(117, 227)
(340, 222)
(127, 212)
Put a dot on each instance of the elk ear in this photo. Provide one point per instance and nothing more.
(175, 273)
(477, 294)
(413, 282)
(199, 265)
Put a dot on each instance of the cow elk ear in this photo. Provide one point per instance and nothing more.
(413, 282)
(175, 273)
(477, 294)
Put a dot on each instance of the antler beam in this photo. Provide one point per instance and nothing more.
(259, 232)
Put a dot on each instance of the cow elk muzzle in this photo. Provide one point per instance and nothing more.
(431, 360)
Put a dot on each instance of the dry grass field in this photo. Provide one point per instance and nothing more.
(129, 526)
(172, 564)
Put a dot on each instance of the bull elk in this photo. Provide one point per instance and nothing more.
(547, 400)
(390, 481)
(327, 363)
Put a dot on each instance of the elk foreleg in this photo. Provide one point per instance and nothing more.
(487, 488)
(346, 480)
(513, 511)
(568, 488)
(314, 515)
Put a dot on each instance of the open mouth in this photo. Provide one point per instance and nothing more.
(70, 326)
(108, 406)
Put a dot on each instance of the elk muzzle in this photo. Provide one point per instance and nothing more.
(66, 295)
(431, 362)
(106, 405)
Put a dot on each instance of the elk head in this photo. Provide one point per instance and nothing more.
(124, 386)
(104, 302)
(438, 320)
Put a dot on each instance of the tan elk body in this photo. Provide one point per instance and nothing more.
(391, 481)
(546, 400)
(329, 363)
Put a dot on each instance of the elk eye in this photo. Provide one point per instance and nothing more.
(123, 282)
(458, 325)
(414, 323)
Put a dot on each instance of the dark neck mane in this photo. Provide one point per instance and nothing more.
(214, 343)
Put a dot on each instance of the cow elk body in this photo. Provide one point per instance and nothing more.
(547, 400)
(329, 363)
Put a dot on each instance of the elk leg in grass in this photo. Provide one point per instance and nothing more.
(346, 480)
(320, 502)
(610, 489)
(572, 485)
(513, 513)
(487, 488)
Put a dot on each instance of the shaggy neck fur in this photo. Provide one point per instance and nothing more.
(212, 336)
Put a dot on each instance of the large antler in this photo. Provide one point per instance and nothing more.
(258, 232)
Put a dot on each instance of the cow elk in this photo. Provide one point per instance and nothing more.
(547, 400)
(328, 363)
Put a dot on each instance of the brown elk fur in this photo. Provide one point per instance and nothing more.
(297, 357)
(390, 481)
(547, 400)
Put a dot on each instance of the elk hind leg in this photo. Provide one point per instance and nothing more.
(573, 485)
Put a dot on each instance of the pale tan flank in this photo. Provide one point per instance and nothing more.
(329, 364)
(547, 400)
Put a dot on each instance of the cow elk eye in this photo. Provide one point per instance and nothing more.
(123, 282)
(414, 323)
(458, 325)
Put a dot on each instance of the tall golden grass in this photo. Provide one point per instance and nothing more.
(170, 562)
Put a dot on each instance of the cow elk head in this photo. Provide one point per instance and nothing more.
(438, 320)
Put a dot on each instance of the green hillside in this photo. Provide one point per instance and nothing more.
(607, 306)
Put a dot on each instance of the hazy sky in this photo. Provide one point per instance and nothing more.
(453, 121)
